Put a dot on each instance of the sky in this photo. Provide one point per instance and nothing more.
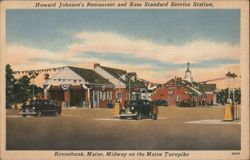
(157, 44)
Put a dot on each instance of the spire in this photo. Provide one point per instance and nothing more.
(188, 67)
(188, 76)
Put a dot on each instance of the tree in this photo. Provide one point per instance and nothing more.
(24, 88)
(10, 85)
(38, 91)
(19, 90)
(222, 96)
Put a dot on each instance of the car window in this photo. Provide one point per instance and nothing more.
(51, 103)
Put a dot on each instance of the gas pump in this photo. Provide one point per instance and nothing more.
(117, 108)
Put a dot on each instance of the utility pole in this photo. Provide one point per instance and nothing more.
(120, 93)
(33, 76)
(229, 75)
(129, 88)
(233, 76)
(33, 94)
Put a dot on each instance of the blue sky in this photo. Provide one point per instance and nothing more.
(55, 31)
(51, 28)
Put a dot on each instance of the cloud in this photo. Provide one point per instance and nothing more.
(108, 43)
(158, 63)
(194, 51)
(24, 57)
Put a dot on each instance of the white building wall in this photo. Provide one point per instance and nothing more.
(64, 75)
(214, 99)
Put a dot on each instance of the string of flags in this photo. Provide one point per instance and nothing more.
(69, 80)
(35, 73)
(149, 83)
(31, 72)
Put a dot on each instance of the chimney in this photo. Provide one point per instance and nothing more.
(179, 79)
(96, 64)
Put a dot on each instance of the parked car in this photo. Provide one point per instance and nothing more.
(184, 103)
(40, 107)
(137, 109)
(8, 105)
(161, 102)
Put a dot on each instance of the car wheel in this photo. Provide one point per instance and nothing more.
(155, 117)
(139, 116)
(122, 117)
(56, 113)
(39, 114)
(24, 115)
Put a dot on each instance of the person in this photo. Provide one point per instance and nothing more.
(28, 102)
(155, 111)
(24, 104)
(59, 104)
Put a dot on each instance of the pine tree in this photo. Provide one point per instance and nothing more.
(222, 96)
(19, 90)
(25, 91)
(10, 86)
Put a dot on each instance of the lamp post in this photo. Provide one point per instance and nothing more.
(229, 75)
(128, 79)
(231, 109)
(233, 76)
(120, 93)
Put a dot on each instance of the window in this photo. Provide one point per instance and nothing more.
(119, 95)
(51, 103)
(170, 97)
(133, 97)
(104, 96)
(100, 94)
(178, 98)
(109, 95)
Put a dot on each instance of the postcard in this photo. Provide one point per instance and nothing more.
(129, 79)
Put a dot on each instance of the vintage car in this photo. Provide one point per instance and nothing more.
(137, 109)
(40, 107)
(161, 102)
(185, 103)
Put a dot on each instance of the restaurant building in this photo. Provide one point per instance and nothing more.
(94, 88)
(78, 87)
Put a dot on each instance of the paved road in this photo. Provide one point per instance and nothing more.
(95, 129)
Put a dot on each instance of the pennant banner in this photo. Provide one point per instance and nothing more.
(30, 72)
(69, 80)
(35, 73)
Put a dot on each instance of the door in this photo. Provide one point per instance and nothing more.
(56, 95)
(76, 97)
(94, 98)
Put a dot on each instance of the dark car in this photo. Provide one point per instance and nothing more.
(161, 102)
(185, 103)
(137, 109)
(39, 107)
